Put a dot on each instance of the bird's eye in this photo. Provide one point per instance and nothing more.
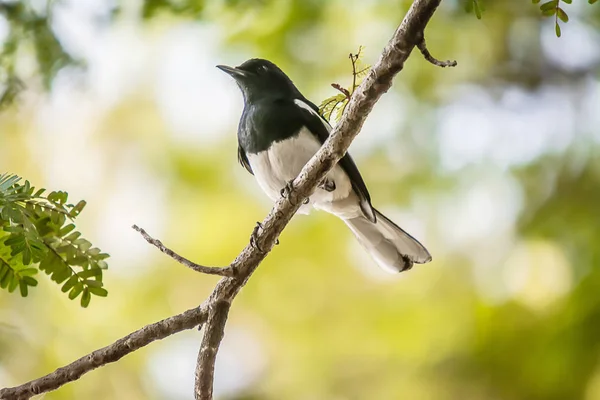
(262, 69)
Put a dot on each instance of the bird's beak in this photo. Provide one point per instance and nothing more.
(234, 72)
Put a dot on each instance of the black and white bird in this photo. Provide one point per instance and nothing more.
(279, 131)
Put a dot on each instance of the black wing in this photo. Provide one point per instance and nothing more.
(320, 127)
(244, 160)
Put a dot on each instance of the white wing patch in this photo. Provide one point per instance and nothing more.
(305, 106)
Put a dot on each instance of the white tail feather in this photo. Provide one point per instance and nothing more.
(390, 246)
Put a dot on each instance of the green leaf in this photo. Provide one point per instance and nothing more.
(83, 244)
(6, 279)
(6, 181)
(567, 1)
(70, 283)
(14, 282)
(61, 275)
(101, 292)
(557, 30)
(73, 236)
(592, 1)
(476, 9)
(28, 272)
(562, 15)
(78, 288)
(23, 288)
(92, 283)
(4, 269)
(89, 273)
(85, 298)
(66, 229)
(26, 257)
(77, 209)
(549, 5)
(29, 281)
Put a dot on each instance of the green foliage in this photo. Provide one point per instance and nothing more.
(28, 28)
(37, 234)
(475, 6)
(189, 8)
(334, 106)
(552, 8)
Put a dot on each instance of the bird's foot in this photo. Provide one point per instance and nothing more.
(286, 191)
(327, 184)
(254, 237)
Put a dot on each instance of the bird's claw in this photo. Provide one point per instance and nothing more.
(287, 189)
(254, 237)
(286, 192)
(327, 185)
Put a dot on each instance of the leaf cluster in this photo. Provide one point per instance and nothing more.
(37, 234)
(475, 6)
(28, 28)
(333, 107)
(550, 8)
(192, 8)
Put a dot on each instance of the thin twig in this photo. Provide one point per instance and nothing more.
(341, 89)
(422, 46)
(354, 59)
(221, 271)
(111, 353)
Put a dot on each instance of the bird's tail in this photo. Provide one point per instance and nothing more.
(392, 248)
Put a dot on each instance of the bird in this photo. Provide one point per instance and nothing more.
(279, 131)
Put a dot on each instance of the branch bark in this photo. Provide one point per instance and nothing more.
(225, 271)
(109, 354)
(216, 307)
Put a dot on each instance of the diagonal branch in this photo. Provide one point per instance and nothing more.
(111, 353)
(422, 46)
(217, 317)
(377, 82)
(225, 271)
(215, 309)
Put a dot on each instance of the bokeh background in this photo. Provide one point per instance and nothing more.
(494, 165)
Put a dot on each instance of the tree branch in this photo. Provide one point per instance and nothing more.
(225, 271)
(207, 355)
(114, 352)
(422, 46)
(378, 81)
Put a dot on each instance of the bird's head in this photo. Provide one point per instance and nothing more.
(260, 79)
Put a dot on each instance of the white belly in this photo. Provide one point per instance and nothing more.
(283, 161)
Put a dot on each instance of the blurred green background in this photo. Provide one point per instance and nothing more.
(493, 165)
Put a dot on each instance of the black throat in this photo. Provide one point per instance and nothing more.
(267, 121)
